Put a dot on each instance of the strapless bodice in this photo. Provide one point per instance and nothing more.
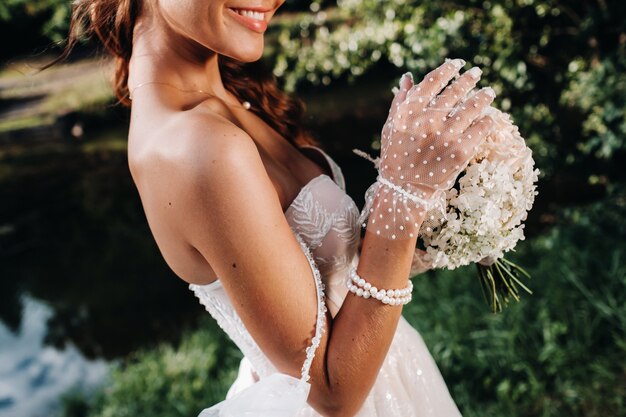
(326, 219)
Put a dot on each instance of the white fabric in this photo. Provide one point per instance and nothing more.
(277, 395)
(409, 383)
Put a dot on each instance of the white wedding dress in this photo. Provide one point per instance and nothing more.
(324, 217)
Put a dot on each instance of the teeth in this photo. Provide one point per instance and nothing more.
(252, 14)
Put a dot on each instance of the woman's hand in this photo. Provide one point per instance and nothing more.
(427, 140)
(430, 136)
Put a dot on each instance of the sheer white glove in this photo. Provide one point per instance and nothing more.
(427, 140)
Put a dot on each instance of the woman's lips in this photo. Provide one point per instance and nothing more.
(250, 22)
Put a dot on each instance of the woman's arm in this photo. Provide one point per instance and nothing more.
(363, 329)
(227, 209)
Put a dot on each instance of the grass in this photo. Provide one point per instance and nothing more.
(166, 381)
(26, 122)
(67, 88)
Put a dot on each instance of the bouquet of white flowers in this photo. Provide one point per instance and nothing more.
(484, 214)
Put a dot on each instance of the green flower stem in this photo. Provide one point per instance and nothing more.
(499, 282)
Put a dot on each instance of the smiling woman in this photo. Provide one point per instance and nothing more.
(280, 111)
(255, 217)
(253, 18)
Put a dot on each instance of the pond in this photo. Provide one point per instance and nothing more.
(34, 376)
(82, 281)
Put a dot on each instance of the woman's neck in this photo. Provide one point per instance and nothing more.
(161, 54)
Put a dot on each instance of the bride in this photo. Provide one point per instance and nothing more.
(253, 214)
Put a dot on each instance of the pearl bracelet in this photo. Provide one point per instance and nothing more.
(362, 288)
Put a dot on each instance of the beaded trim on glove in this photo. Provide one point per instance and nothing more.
(401, 199)
(405, 193)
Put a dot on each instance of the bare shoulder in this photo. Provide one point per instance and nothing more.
(218, 164)
(196, 150)
(196, 175)
(213, 198)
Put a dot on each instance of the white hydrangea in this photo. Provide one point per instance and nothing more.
(484, 214)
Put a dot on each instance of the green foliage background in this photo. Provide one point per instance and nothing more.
(559, 67)
(54, 14)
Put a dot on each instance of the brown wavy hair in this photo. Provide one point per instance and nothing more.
(113, 22)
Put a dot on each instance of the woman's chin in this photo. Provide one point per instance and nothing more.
(248, 54)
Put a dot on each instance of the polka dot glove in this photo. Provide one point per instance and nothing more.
(431, 134)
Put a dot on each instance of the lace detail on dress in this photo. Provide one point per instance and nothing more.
(217, 303)
(315, 218)
(327, 219)
(345, 226)
(311, 218)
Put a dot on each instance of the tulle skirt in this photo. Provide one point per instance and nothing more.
(409, 383)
